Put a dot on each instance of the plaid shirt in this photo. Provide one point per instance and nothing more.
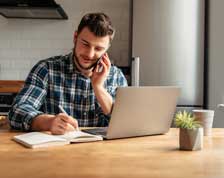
(56, 81)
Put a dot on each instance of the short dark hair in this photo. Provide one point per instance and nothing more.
(98, 23)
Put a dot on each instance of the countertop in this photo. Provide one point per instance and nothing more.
(10, 86)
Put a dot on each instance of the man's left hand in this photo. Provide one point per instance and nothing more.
(101, 72)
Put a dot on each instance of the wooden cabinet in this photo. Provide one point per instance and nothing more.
(10, 86)
(8, 91)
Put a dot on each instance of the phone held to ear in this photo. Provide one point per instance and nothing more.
(97, 63)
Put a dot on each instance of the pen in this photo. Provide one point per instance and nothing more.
(63, 111)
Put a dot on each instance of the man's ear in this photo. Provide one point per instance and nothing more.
(75, 37)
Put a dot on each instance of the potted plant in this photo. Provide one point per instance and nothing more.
(191, 132)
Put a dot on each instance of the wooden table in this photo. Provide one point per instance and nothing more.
(151, 157)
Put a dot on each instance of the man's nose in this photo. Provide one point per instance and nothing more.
(90, 53)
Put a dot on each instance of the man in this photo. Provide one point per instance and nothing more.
(83, 83)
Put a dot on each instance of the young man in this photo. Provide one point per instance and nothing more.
(83, 82)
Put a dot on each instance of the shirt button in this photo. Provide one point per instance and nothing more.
(84, 113)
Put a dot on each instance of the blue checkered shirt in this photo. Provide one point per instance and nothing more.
(56, 81)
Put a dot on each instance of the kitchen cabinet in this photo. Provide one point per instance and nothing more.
(8, 91)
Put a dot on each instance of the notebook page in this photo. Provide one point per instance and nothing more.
(34, 138)
(76, 134)
(79, 136)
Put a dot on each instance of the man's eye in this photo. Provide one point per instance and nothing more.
(98, 49)
(85, 44)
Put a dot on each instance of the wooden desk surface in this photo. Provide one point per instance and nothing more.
(151, 157)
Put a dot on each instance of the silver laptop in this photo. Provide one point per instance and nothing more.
(140, 111)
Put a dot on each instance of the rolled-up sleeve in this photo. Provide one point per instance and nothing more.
(118, 80)
(29, 100)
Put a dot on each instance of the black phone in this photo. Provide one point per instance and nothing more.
(96, 63)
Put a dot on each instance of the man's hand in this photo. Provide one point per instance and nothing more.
(99, 76)
(57, 124)
(63, 123)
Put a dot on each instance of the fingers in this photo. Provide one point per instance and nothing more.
(63, 123)
(67, 127)
(106, 60)
(69, 119)
(103, 66)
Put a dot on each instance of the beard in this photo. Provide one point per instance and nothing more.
(79, 64)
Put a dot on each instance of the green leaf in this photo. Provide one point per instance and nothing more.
(186, 120)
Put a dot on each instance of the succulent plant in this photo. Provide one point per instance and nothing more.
(186, 120)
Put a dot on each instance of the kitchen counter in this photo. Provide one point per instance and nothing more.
(10, 86)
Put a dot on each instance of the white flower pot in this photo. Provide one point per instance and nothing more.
(191, 139)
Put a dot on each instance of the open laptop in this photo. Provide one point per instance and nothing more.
(140, 111)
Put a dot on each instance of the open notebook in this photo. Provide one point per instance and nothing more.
(40, 139)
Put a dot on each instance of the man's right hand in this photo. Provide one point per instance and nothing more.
(57, 124)
(63, 123)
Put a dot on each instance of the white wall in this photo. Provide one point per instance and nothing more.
(216, 60)
(24, 42)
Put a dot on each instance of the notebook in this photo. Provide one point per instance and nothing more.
(140, 111)
(41, 139)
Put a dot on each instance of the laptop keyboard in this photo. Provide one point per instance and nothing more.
(97, 131)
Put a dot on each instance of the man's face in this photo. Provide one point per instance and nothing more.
(89, 48)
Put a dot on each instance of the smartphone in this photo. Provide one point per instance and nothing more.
(96, 63)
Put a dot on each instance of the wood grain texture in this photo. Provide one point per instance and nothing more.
(152, 157)
(10, 86)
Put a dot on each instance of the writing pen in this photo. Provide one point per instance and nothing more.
(63, 111)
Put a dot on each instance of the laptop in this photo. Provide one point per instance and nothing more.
(140, 111)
